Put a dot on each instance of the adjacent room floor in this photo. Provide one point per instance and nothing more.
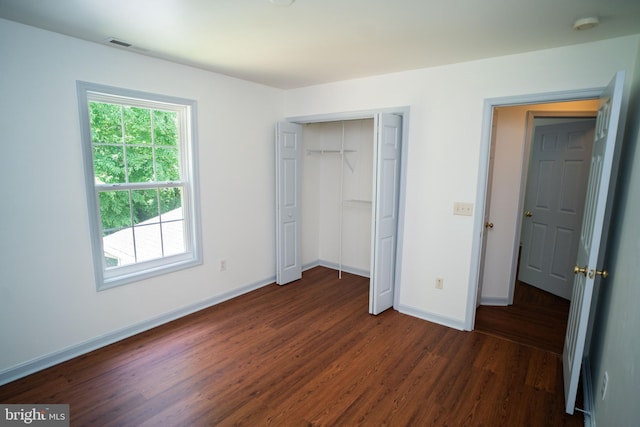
(536, 318)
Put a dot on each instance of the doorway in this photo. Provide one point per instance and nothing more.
(511, 142)
(531, 316)
(588, 269)
(360, 157)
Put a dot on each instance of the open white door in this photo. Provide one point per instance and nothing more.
(386, 190)
(288, 209)
(554, 204)
(593, 235)
(487, 256)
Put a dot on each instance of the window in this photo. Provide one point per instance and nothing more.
(140, 170)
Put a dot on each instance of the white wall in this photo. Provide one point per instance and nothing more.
(443, 151)
(615, 347)
(48, 298)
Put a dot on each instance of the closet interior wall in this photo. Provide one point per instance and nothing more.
(337, 188)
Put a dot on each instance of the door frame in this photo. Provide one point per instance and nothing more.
(402, 111)
(515, 233)
(483, 182)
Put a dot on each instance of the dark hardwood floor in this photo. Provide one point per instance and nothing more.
(305, 354)
(536, 318)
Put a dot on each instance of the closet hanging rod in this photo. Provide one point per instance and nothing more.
(341, 152)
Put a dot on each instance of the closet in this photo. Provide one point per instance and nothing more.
(337, 185)
(337, 199)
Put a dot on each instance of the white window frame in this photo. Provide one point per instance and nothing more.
(107, 278)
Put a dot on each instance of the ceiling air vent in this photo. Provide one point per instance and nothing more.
(118, 42)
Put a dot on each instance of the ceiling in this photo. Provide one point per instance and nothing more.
(319, 41)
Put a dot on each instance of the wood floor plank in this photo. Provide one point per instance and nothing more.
(305, 354)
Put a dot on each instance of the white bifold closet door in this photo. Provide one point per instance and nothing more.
(288, 202)
(385, 211)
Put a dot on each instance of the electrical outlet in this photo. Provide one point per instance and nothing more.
(439, 282)
(605, 383)
(223, 265)
(464, 209)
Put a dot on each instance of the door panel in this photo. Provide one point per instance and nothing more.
(385, 211)
(288, 197)
(593, 235)
(290, 247)
(388, 193)
(536, 255)
(385, 273)
(561, 256)
(554, 202)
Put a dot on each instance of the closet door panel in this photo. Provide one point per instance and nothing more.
(388, 193)
(385, 212)
(288, 208)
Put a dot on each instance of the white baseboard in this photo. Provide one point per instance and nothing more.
(335, 266)
(496, 301)
(46, 361)
(442, 320)
(587, 393)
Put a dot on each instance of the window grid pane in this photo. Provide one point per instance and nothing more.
(108, 164)
(115, 211)
(137, 125)
(133, 144)
(165, 128)
(140, 164)
(149, 224)
(137, 145)
(106, 123)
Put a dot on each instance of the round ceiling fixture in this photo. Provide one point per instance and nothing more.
(586, 23)
(282, 2)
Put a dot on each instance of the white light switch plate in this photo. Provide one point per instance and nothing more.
(465, 209)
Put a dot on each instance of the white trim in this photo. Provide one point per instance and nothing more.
(404, 158)
(335, 266)
(51, 359)
(495, 301)
(435, 318)
(348, 115)
(311, 265)
(483, 169)
(587, 393)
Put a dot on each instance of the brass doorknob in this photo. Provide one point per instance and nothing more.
(528, 214)
(488, 224)
(578, 270)
(594, 273)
